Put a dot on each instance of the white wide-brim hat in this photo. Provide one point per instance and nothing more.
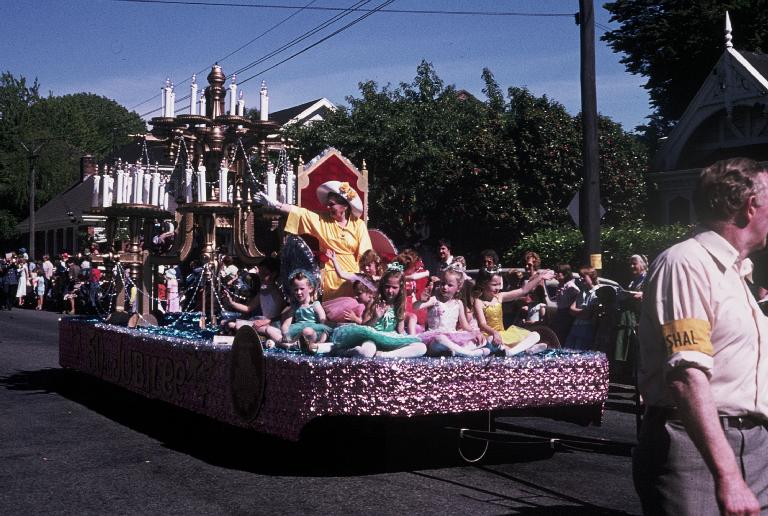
(343, 190)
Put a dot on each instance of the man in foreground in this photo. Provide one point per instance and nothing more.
(704, 358)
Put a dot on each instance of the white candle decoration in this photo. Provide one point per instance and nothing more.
(107, 187)
(193, 96)
(119, 199)
(233, 96)
(263, 102)
(271, 186)
(241, 105)
(146, 196)
(188, 184)
(289, 185)
(95, 198)
(128, 194)
(167, 98)
(201, 193)
(155, 199)
(223, 171)
(281, 192)
(138, 186)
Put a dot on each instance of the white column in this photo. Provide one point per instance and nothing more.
(281, 192)
(95, 198)
(263, 102)
(202, 104)
(193, 96)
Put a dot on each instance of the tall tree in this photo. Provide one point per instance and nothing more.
(484, 172)
(674, 45)
(67, 127)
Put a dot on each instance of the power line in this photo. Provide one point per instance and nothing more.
(329, 36)
(273, 27)
(303, 36)
(328, 8)
(295, 41)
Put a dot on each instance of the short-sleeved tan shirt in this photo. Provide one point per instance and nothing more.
(699, 312)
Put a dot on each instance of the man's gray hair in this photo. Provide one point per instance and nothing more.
(724, 187)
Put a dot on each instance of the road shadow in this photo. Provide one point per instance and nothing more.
(330, 446)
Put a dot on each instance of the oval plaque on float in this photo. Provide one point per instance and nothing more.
(246, 373)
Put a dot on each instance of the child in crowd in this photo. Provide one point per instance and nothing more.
(445, 313)
(488, 311)
(38, 283)
(382, 334)
(306, 321)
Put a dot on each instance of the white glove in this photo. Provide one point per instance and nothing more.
(262, 199)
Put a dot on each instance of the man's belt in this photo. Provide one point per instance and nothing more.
(738, 422)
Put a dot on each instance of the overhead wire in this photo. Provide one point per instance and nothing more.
(329, 36)
(264, 33)
(330, 21)
(297, 40)
(329, 8)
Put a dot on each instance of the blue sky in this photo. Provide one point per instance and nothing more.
(124, 51)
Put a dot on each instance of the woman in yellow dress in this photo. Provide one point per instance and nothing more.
(340, 229)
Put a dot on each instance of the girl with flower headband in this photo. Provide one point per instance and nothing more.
(382, 334)
(306, 322)
(340, 229)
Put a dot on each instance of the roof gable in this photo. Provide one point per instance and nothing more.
(737, 79)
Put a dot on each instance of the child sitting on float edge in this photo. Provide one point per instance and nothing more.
(306, 321)
(445, 313)
(488, 312)
(382, 333)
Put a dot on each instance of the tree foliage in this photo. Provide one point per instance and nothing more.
(484, 172)
(676, 44)
(61, 129)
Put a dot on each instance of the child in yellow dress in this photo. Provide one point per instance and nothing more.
(488, 312)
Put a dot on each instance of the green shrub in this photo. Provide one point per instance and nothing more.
(564, 245)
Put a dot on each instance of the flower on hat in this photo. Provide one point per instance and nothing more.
(347, 191)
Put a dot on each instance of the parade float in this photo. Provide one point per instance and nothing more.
(220, 161)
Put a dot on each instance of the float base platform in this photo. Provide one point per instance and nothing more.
(279, 393)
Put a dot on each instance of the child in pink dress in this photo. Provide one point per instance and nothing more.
(449, 332)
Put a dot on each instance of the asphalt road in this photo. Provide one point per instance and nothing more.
(72, 444)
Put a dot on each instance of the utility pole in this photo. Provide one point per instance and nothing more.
(589, 209)
(32, 155)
